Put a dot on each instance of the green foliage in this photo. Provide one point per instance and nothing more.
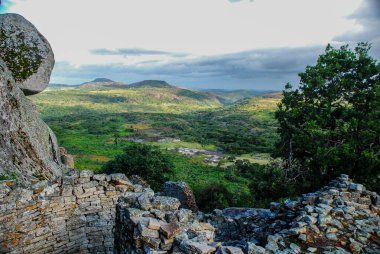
(213, 196)
(330, 125)
(266, 182)
(96, 124)
(144, 160)
(8, 177)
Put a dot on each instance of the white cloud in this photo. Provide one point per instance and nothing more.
(181, 40)
(199, 27)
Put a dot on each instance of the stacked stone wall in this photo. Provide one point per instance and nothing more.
(73, 215)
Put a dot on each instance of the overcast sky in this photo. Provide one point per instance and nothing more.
(253, 44)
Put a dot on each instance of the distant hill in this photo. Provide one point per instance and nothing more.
(151, 83)
(105, 95)
(102, 80)
(102, 83)
(159, 94)
(264, 102)
(231, 96)
(274, 95)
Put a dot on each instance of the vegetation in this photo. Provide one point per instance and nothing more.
(147, 161)
(330, 124)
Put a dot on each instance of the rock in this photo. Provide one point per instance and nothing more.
(183, 193)
(331, 236)
(28, 147)
(356, 187)
(39, 187)
(86, 174)
(252, 248)
(272, 246)
(295, 248)
(144, 202)
(66, 158)
(170, 230)
(166, 204)
(183, 215)
(26, 53)
(154, 224)
(190, 247)
(312, 250)
(147, 232)
(120, 179)
(135, 179)
(229, 250)
(302, 237)
(309, 219)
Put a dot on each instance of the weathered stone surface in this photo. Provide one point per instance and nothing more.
(47, 218)
(252, 248)
(67, 159)
(169, 230)
(26, 53)
(190, 247)
(28, 147)
(229, 250)
(183, 193)
(308, 220)
(164, 203)
(135, 179)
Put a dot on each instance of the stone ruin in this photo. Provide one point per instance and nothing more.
(52, 208)
(83, 212)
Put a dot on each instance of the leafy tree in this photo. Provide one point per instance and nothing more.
(213, 196)
(330, 124)
(143, 160)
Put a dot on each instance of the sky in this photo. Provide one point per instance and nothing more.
(225, 44)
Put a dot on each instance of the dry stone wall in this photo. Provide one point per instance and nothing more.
(73, 215)
(86, 213)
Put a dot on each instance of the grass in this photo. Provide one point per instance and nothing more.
(95, 124)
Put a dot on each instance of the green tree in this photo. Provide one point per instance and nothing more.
(213, 196)
(144, 160)
(330, 124)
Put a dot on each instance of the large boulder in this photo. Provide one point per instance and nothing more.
(28, 147)
(182, 192)
(26, 53)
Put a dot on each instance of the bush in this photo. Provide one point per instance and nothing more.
(213, 196)
(147, 161)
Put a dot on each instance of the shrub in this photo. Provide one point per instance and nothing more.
(147, 161)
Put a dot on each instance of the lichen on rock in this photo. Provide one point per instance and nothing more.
(28, 147)
(27, 54)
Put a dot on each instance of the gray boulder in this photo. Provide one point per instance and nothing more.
(28, 147)
(182, 192)
(26, 53)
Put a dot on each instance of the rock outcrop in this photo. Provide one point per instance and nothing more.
(183, 193)
(28, 147)
(26, 53)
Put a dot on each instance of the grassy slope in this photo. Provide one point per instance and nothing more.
(94, 124)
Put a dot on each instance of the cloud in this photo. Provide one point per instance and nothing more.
(134, 52)
(255, 69)
(367, 16)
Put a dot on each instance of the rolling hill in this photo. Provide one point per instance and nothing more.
(232, 96)
(107, 96)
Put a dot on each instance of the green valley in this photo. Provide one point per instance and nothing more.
(201, 135)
